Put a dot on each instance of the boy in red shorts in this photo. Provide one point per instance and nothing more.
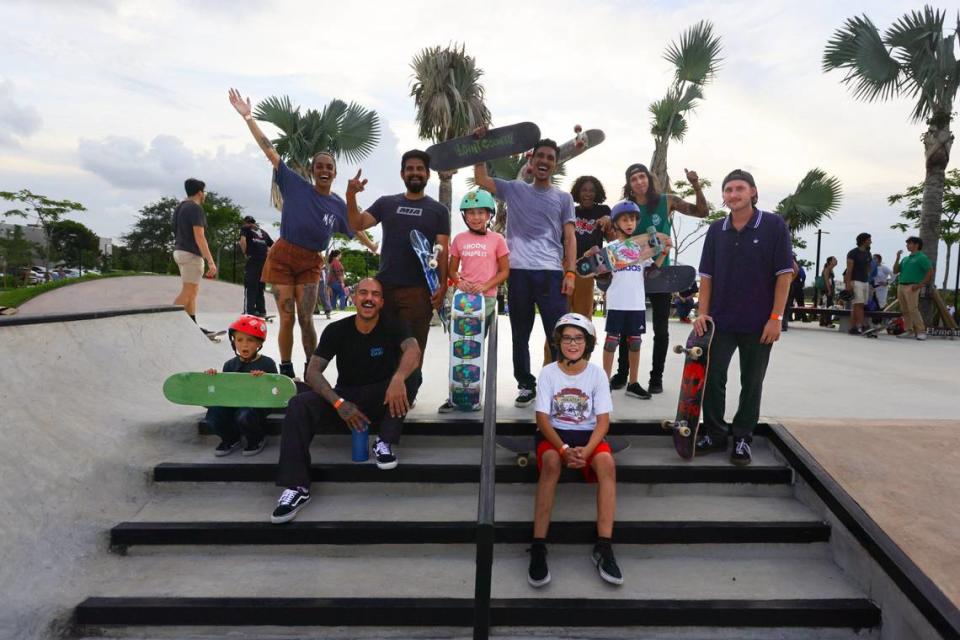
(573, 416)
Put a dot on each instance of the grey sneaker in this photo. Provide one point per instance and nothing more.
(525, 398)
(447, 407)
(907, 335)
(607, 564)
(921, 336)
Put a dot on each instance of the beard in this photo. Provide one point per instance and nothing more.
(415, 186)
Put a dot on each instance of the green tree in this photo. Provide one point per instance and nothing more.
(16, 252)
(149, 244)
(912, 199)
(815, 198)
(348, 131)
(916, 59)
(696, 59)
(46, 211)
(449, 100)
(224, 218)
(73, 243)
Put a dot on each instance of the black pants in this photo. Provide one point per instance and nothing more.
(230, 423)
(308, 410)
(826, 319)
(660, 306)
(753, 368)
(253, 301)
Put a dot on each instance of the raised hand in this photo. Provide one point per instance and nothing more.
(692, 178)
(242, 106)
(355, 184)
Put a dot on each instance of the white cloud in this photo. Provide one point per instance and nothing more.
(16, 121)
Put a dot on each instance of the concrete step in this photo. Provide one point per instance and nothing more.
(429, 585)
(455, 459)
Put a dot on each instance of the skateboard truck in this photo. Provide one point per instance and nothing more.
(681, 427)
(433, 261)
(693, 352)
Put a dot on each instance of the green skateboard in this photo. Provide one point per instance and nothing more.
(198, 389)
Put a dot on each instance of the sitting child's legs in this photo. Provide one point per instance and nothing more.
(251, 423)
(222, 421)
(550, 467)
(606, 473)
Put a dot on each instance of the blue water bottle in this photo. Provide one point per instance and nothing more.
(361, 444)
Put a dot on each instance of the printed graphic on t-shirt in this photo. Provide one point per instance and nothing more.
(474, 250)
(570, 406)
(584, 226)
(410, 211)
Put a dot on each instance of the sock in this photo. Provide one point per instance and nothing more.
(603, 543)
(194, 318)
(542, 542)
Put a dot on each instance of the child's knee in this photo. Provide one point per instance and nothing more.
(633, 343)
(611, 342)
(604, 466)
(550, 463)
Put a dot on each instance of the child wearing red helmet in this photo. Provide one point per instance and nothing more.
(233, 425)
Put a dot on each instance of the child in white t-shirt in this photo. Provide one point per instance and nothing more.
(573, 416)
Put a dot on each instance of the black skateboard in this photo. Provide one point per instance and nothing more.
(669, 279)
(524, 447)
(469, 150)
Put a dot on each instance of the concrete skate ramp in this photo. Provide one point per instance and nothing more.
(83, 420)
(136, 292)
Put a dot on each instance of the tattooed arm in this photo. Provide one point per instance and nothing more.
(348, 411)
(243, 108)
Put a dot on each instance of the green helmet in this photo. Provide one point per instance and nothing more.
(479, 199)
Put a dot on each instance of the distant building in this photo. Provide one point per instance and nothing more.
(34, 233)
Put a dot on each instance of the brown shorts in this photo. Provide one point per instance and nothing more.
(288, 263)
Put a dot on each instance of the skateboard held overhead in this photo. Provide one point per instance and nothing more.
(692, 385)
(469, 150)
(524, 447)
(467, 316)
(200, 389)
(427, 255)
(581, 141)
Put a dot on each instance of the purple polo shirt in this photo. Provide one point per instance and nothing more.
(743, 267)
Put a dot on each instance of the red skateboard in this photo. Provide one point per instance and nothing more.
(692, 386)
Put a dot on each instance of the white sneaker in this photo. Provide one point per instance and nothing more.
(906, 335)
(921, 336)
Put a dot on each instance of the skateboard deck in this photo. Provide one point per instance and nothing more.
(199, 389)
(214, 336)
(524, 448)
(692, 385)
(581, 141)
(469, 150)
(620, 254)
(428, 260)
(467, 316)
(669, 279)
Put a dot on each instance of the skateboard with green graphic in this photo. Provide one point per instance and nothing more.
(466, 349)
(200, 389)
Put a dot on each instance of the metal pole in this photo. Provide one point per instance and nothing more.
(816, 292)
(956, 287)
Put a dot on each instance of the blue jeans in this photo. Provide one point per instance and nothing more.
(230, 423)
(338, 295)
(527, 290)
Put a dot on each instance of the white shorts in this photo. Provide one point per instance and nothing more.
(191, 266)
(861, 292)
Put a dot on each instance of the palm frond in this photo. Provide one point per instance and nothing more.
(816, 197)
(359, 132)
(929, 58)
(447, 93)
(666, 113)
(279, 112)
(696, 56)
(871, 71)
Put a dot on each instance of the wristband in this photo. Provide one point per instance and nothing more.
(336, 405)
(248, 117)
(564, 448)
(776, 316)
(569, 274)
(452, 282)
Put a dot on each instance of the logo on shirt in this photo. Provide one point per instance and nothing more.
(570, 405)
(655, 218)
(584, 226)
(409, 211)
(376, 352)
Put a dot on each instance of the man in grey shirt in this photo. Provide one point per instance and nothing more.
(543, 247)
(190, 245)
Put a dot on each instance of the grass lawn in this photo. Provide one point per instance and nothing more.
(16, 297)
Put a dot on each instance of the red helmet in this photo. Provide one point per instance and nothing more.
(250, 325)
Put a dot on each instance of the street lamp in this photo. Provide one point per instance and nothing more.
(816, 292)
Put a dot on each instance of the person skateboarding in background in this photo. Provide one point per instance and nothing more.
(573, 417)
(376, 357)
(190, 246)
(255, 243)
(656, 210)
(405, 292)
(247, 335)
(311, 213)
(745, 273)
(543, 247)
(479, 259)
(626, 304)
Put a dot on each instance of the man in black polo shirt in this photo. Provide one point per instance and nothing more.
(745, 273)
(254, 242)
(376, 356)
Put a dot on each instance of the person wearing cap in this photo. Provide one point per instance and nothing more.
(745, 273)
(656, 210)
(405, 292)
(543, 248)
(255, 243)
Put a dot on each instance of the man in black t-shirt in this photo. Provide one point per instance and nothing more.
(405, 291)
(857, 280)
(190, 245)
(376, 356)
(254, 242)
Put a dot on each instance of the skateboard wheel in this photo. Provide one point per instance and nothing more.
(577, 128)
(666, 425)
(522, 461)
(679, 348)
(684, 431)
(432, 264)
(696, 352)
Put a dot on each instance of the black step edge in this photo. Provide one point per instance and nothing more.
(925, 595)
(550, 612)
(47, 318)
(454, 473)
(353, 532)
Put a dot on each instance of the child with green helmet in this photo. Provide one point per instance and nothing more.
(479, 260)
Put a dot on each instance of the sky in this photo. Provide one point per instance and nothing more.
(114, 103)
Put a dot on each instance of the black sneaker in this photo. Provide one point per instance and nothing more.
(538, 574)
(286, 369)
(618, 381)
(384, 454)
(855, 331)
(525, 398)
(707, 444)
(254, 446)
(740, 455)
(634, 390)
(447, 407)
(291, 501)
(226, 448)
(607, 564)
(655, 385)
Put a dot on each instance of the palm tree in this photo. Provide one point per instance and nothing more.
(348, 131)
(816, 197)
(449, 100)
(915, 59)
(696, 59)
